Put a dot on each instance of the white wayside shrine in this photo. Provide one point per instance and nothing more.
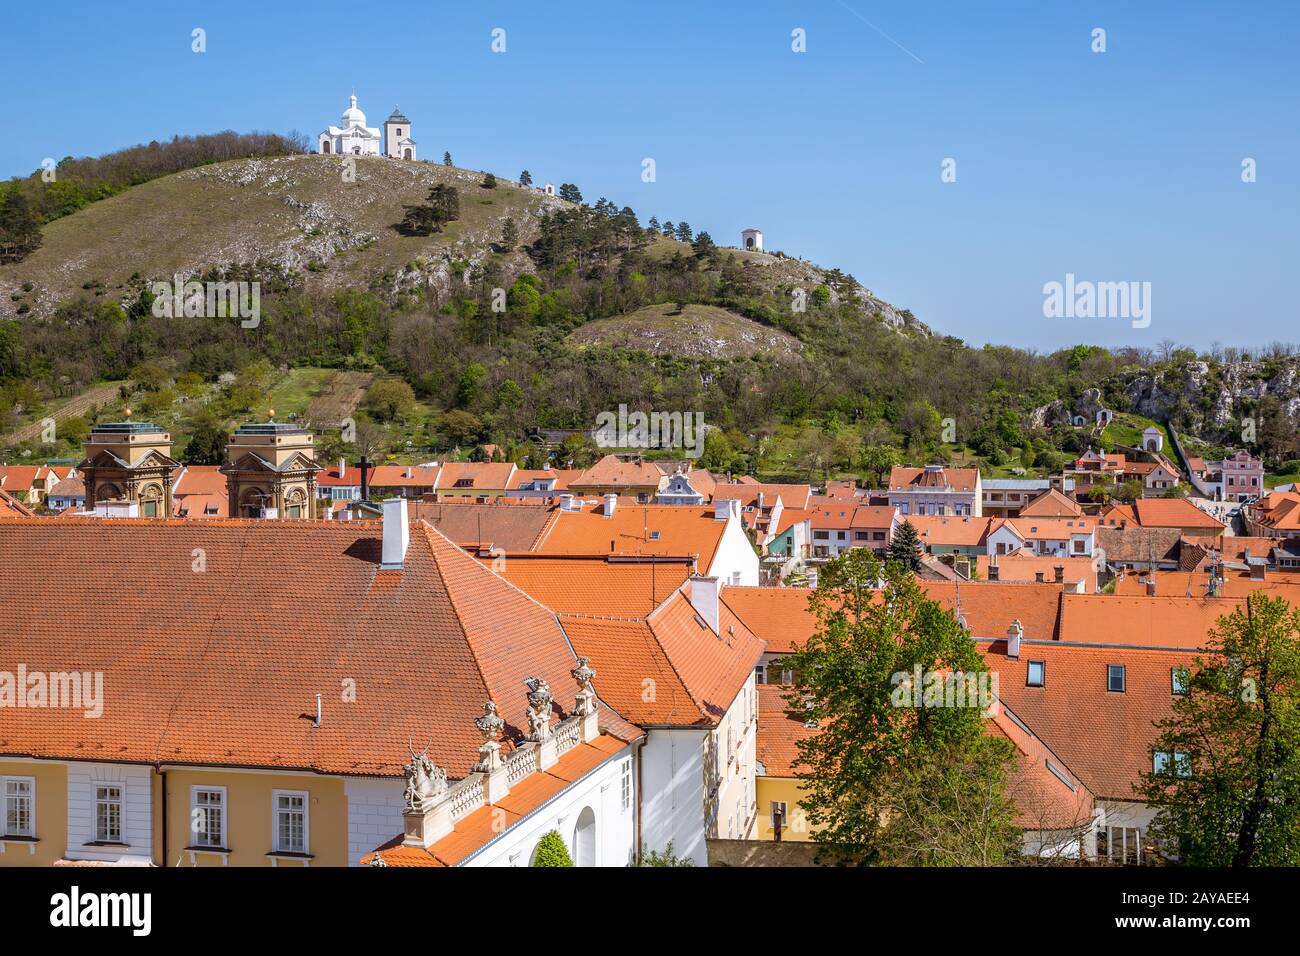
(354, 137)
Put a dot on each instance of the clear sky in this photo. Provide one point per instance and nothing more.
(1117, 166)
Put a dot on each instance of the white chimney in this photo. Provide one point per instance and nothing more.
(570, 503)
(704, 598)
(724, 508)
(343, 467)
(611, 504)
(1014, 633)
(397, 534)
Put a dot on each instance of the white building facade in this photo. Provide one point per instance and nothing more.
(352, 137)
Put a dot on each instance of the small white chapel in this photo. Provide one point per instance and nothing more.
(354, 138)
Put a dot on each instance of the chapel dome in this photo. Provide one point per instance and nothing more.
(353, 116)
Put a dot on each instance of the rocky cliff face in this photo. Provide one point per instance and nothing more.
(1214, 396)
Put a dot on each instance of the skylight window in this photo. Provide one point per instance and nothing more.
(1035, 674)
(1115, 678)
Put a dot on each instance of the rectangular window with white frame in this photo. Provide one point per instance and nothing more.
(291, 833)
(19, 807)
(108, 813)
(625, 785)
(208, 817)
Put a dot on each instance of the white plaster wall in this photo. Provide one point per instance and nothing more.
(735, 553)
(672, 799)
(137, 811)
(601, 791)
(374, 813)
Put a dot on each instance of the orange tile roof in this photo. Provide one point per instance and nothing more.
(500, 523)
(480, 827)
(1278, 510)
(1102, 736)
(405, 476)
(221, 666)
(989, 607)
(1169, 622)
(593, 584)
(668, 669)
(199, 488)
(950, 531)
(747, 492)
(778, 616)
(612, 472)
(902, 478)
(562, 477)
(11, 507)
(780, 729)
(681, 531)
(1051, 504)
(1162, 513)
(1236, 584)
(475, 475)
(1046, 529)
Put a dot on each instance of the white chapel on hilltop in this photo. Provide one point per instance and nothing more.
(355, 138)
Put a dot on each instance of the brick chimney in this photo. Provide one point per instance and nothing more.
(1040, 577)
(993, 572)
(1060, 573)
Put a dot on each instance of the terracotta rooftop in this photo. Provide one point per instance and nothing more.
(593, 584)
(495, 524)
(669, 668)
(778, 616)
(953, 531)
(1101, 736)
(1171, 622)
(1161, 513)
(613, 472)
(780, 729)
(676, 530)
(1051, 504)
(902, 478)
(220, 665)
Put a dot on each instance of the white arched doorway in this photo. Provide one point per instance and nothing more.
(584, 838)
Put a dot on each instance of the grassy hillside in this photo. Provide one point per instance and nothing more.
(697, 331)
(295, 212)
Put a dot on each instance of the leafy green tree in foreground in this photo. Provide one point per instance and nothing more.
(888, 782)
(1225, 778)
(551, 851)
(905, 548)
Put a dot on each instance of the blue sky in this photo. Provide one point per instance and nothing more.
(1115, 166)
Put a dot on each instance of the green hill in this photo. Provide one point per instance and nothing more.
(697, 331)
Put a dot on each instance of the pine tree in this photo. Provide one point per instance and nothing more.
(489, 181)
(525, 178)
(446, 158)
(684, 232)
(653, 224)
(510, 235)
(906, 547)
